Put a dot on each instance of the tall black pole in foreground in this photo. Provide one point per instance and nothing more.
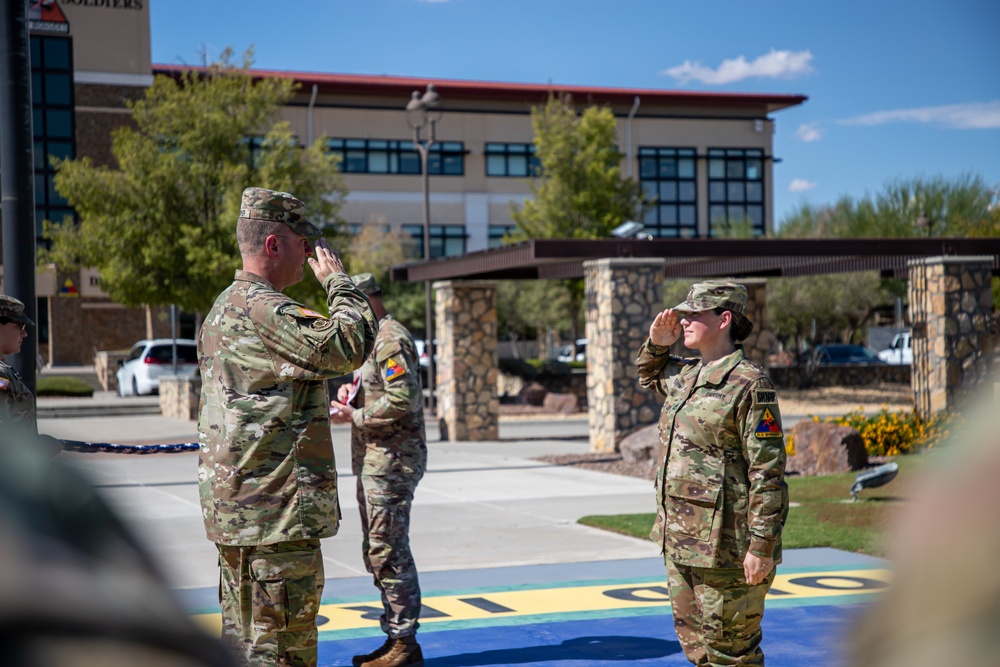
(17, 174)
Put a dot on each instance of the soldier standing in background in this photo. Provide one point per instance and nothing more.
(17, 404)
(720, 489)
(266, 472)
(388, 457)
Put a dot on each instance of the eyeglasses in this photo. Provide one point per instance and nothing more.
(20, 325)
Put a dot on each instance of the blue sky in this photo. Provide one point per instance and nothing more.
(896, 89)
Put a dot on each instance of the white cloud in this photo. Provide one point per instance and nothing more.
(774, 65)
(809, 132)
(801, 185)
(970, 116)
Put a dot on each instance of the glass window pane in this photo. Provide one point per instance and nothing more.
(495, 165)
(494, 148)
(38, 155)
(36, 88)
(716, 191)
(668, 191)
(685, 168)
(755, 191)
(55, 199)
(355, 143)
(649, 190)
(668, 168)
(517, 165)
(754, 171)
(735, 191)
(716, 214)
(686, 191)
(688, 216)
(378, 162)
(58, 123)
(668, 215)
(57, 89)
(649, 215)
(734, 169)
(756, 215)
(354, 162)
(716, 168)
(687, 233)
(378, 145)
(647, 168)
(40, 188)
(37, 123)
(60, 149)
(736, 213)
(517, 148)
(409, 163)
(454, 165)
(36, 51)
(56, 53)
(434, 164)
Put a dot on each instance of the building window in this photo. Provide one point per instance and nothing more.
(497, 232)
(446, 240)
(52, 123)
(371, 156)
(669, 184)
(511, 160)
(355, 228)
(735, 190)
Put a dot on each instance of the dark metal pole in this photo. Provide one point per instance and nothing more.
(424, 148)
(17, 178)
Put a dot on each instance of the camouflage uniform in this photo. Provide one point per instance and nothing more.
(720, 492)
(17, 403)
(389, 456)
(266, 472)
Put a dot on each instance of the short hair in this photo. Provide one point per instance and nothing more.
(251, 234)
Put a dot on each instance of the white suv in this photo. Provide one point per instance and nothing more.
(149, 359)
(899, 351)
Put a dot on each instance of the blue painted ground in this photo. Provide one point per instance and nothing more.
(810, 636)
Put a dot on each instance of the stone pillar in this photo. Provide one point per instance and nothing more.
(758, 344)
(466, 328)
(622, 295)
(951, 306)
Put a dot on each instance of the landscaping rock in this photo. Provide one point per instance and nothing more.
(826, 449)
(561, 403)
(641, 446)
(533, 394)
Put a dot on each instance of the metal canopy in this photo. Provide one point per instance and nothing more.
(553, 259)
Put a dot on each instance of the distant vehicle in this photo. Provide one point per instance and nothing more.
(840, 354)
(139, 374)
(566, 353)
(899, 351)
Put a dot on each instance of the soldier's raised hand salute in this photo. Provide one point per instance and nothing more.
(325, 261)
(665, 329)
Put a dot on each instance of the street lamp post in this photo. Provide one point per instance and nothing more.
(423, 111)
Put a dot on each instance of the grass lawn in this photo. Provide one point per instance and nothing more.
(819, 516)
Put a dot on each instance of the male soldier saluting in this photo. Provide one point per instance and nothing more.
(388, 457)
(266, 472)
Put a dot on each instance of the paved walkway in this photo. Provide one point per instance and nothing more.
(509, 577)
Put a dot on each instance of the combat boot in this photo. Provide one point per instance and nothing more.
(404, 651)
(359, 660)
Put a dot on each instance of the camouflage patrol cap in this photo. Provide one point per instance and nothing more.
(264, 204)
(720, 294)
(13, 310)
(367, 284)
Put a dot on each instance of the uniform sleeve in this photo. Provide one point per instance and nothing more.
(764, 452)
(655, 364)
(310, 346)
(397, 367)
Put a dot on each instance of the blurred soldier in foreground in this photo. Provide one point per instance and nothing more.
(943, 605)
(17, 404)
(266, 473)
(388, 457)
(721, 496)
(76, 589)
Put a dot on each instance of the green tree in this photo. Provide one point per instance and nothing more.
(579, 192)
(377, 248)
(160, 224)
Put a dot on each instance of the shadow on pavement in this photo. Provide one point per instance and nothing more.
(591, 649)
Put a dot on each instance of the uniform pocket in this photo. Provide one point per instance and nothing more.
(691, 507)
(285, 591)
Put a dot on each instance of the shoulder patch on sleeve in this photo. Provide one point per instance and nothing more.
(768, 426)
(305, 312)
(394, 370)
(295, 310)
(4, 384)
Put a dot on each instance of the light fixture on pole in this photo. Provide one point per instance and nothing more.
(924, 223)
(422, 111)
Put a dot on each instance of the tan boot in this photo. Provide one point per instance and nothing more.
(359, 660)
(403, 651)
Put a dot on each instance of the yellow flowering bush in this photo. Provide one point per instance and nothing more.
(891, 433)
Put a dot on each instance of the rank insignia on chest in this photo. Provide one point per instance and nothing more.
(4, 383)
(768, 426)
(393, 370)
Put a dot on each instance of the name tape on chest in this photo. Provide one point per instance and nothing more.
(393, 370)
(768, 426)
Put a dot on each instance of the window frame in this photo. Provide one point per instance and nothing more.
(722, 202)
(445, 158)
(685, 211)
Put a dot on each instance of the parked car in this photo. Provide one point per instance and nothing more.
(148, 360)
(566, 354)
(838, 353)
(899, 351)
